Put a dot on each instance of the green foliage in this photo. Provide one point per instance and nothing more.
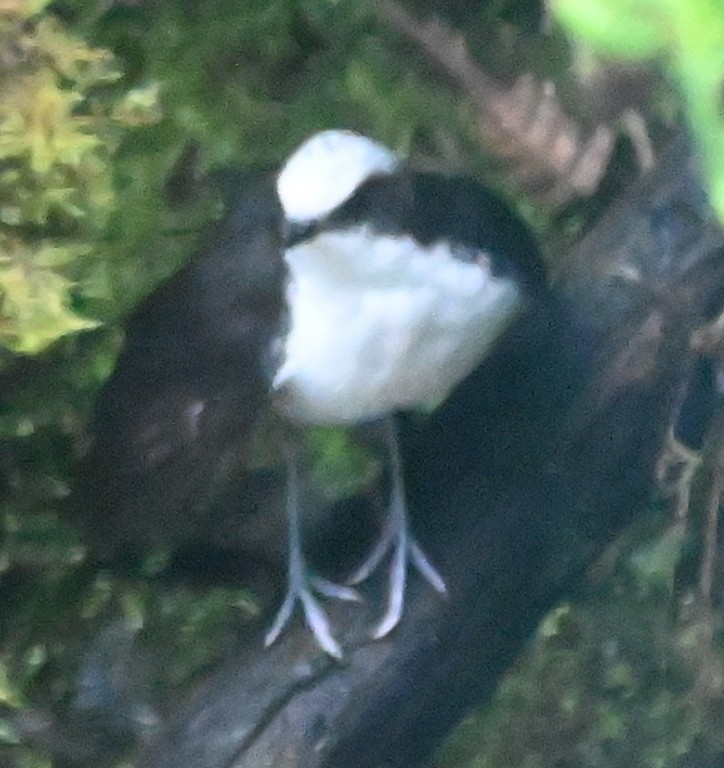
(339, 466)
(687, 38)
(55, 175)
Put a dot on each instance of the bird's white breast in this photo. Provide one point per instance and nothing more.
(378, 323)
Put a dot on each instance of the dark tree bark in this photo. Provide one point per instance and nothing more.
(516, 484)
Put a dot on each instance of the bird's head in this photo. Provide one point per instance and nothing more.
(327, 170)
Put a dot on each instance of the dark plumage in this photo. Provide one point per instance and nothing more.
(172, 423)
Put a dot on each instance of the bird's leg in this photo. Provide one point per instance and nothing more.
(301, 585)
(397, 540)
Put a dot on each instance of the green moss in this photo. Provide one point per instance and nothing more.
(55, 174)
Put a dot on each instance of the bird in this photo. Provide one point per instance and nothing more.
(354, 288)
(400, 283)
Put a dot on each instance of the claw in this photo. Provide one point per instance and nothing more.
(315, 618)
(406, 552)
(428, 571)
(335, 591)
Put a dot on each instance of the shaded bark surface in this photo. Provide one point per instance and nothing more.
(516, 484)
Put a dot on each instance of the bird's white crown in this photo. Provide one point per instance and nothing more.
(326, 170)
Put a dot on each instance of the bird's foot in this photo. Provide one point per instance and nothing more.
(405, 551)
(302, 589)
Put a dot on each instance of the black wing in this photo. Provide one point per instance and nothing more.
(173, 425)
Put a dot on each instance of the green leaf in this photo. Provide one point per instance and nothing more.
(620, 28)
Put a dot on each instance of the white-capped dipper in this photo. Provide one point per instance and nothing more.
(399, 284)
